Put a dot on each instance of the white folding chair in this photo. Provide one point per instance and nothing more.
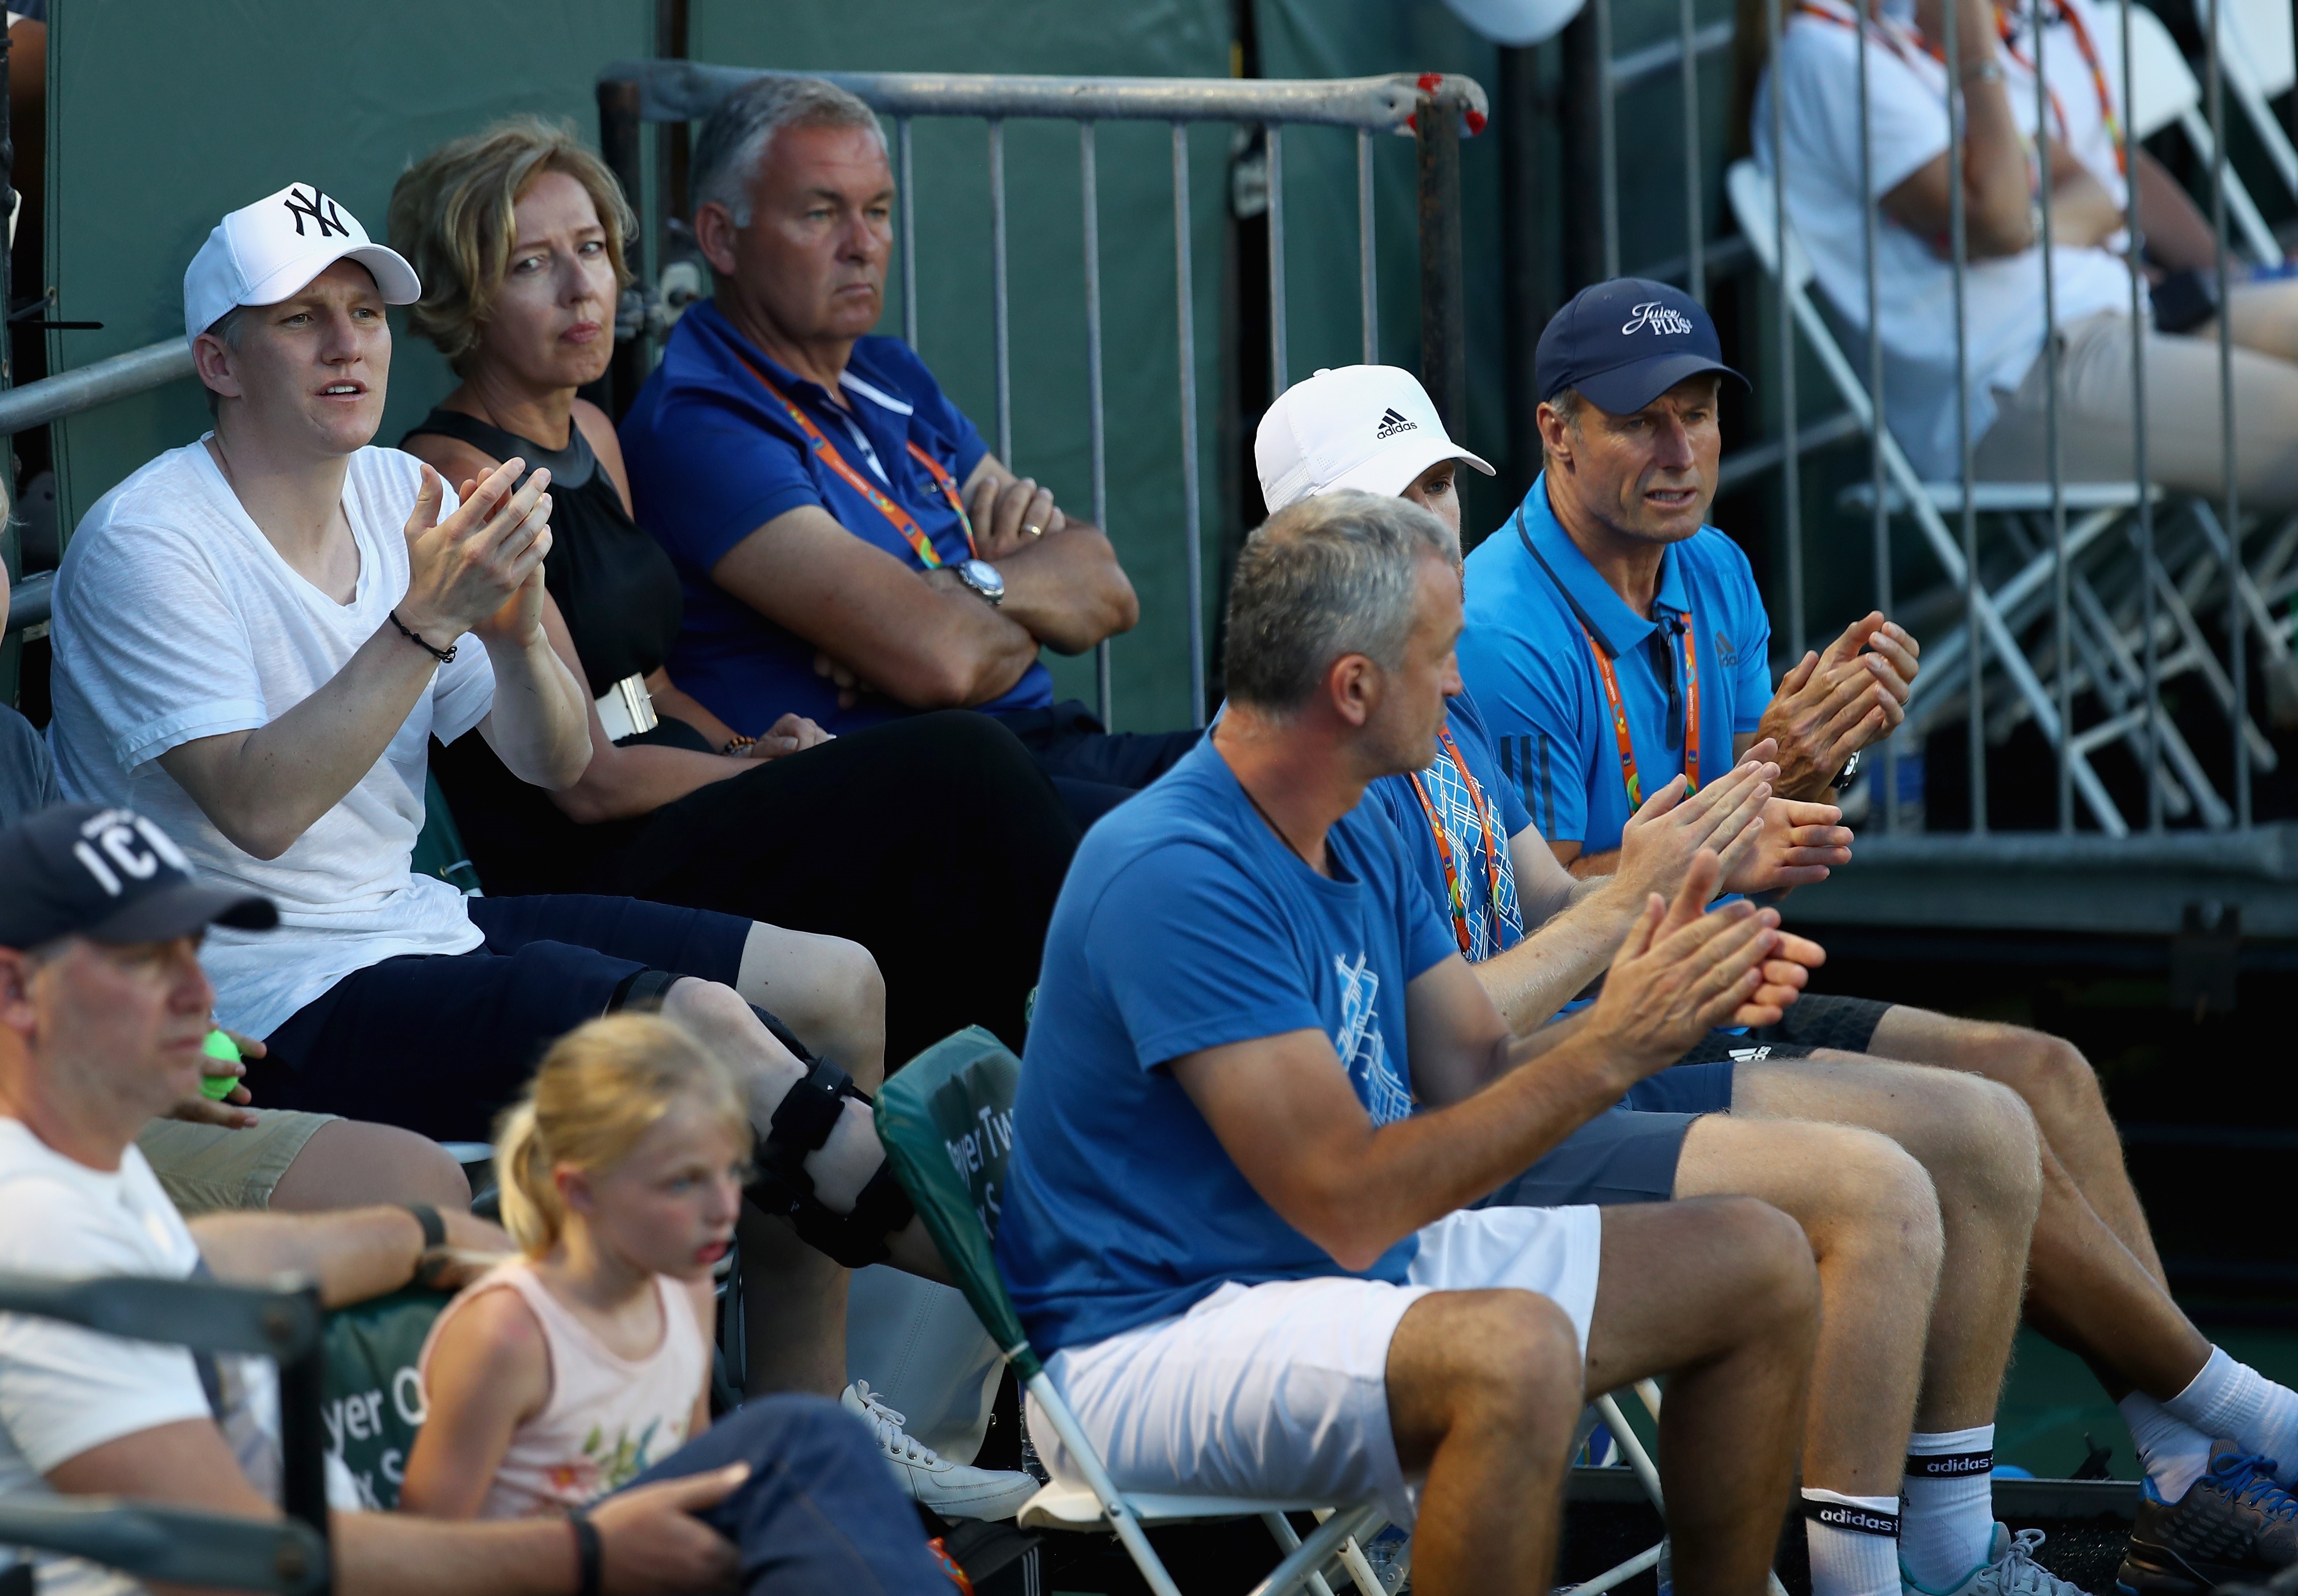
(2256, 56)
(2164, 91)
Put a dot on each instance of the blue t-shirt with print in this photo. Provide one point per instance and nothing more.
(1530, 664)
(1446, 788)
(1186, 925)
(713, 457)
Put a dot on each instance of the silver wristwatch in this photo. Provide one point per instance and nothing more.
(982, 577)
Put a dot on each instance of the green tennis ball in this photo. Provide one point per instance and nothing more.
(219, 1046)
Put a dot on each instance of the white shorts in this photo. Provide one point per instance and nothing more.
(1281, 1390)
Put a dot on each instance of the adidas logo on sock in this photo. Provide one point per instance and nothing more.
(1864, 1521)
(1392, 423)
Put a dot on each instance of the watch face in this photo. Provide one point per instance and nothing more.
(982, 577)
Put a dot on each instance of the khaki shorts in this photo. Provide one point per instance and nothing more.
(204, 1167)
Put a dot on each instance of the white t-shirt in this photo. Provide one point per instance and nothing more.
(64, 1391)
(175, 619)
(1915, 283)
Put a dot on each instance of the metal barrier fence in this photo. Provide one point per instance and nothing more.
(2108, 583)
(1434, 110)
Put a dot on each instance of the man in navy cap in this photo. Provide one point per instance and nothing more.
(1615, 642)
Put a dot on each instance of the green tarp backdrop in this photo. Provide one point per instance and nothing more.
(162, 116)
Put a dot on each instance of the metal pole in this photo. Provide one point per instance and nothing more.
(2238, 662)
(2134, 245)
(2060, 619)
(909, 237)
(1089, 187)
(619, 143)
(1004, 355)
(1278, 379)
(1194, 551)
(1607, 139)
(1790, 465)
(1695, 225)
(1958, 253)
(1368, 263)
(1880, 527)
(1443, 337)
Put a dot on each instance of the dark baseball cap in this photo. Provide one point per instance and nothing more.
(110, 875)
(1625, 343)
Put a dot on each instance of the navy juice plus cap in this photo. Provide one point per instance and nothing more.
(1623, 344)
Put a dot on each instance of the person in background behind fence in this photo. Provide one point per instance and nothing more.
(1617, 643)
(851, 549)
(2087, 195)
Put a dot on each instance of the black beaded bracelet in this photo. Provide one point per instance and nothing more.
(445, 655)
(589, 1555)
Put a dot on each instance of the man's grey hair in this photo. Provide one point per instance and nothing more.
(739, 130)
(1322, 578)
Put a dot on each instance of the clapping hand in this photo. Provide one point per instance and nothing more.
(1726, 817)
(1798, 844)
(1684, 969)
(1833, 704)
(480, 569)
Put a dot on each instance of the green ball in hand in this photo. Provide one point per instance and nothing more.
(219, 1046)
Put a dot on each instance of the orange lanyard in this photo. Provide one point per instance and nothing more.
(1620, 716)
(903, 522)
(1455, 893)
(1896, 37)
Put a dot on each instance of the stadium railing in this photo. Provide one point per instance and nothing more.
(288, 1557)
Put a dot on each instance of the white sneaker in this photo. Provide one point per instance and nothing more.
(2010, 1570)
(953, 1490)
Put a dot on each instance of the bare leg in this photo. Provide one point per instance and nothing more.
(1719, 1294)
(826, 989)
(1868, 1209)
(793, 1310)
(1981, 1149)
(2057, 1083)
(1484, 1390)
(349, 1163)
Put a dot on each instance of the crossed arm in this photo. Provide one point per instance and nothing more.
(927, 640)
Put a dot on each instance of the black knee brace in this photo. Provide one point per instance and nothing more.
(802, 1123)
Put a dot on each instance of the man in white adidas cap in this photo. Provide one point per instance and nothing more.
(1368, 427)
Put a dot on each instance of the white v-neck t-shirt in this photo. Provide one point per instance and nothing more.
(175, 619)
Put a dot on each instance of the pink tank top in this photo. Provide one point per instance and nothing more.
(607, 1418)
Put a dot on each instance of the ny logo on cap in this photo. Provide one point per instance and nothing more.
(320, 209)
(1658, 317)
(115, 831)
(1392, 423)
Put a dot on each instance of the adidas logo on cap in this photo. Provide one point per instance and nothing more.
(1392, 423)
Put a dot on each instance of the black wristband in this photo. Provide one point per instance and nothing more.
(435, 1229)
(445, 655)
(589, 1555)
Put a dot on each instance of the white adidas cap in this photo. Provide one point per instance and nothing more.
(1370, 427)
(263, 253)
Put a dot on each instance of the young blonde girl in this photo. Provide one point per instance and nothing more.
(583, 1365)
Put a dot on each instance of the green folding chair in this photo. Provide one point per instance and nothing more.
(946, 1120)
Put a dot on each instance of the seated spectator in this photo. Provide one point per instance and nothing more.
(1618, 645)
(302, 1161)
(1895, 1309)
(251, 648)
(100, 1029)
(1251, 1266)
(850, 549)
(584, 1363)
(517, 233)
(1909, 178)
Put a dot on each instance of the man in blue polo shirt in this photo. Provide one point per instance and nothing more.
(1613, 638)
(1243, 1251)
(849, 548)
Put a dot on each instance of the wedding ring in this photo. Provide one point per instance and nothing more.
(1034, 531)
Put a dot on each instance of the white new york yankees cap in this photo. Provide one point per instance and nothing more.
(262, 254)
(1369, 427)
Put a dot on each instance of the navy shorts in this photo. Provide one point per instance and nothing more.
(1821, 1020)
(440, 1043)
(1619, 1156)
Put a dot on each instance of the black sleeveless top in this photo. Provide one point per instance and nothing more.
(615, 585)
(618, 593)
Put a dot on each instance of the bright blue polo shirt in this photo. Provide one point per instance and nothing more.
(1527, 661)
(1186, 925)
(713, 458)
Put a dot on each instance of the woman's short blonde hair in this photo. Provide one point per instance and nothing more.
(600, 1089)
(452, 217)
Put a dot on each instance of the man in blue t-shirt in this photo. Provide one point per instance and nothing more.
(1611, 635)
(849, 548)
(1261, 1088)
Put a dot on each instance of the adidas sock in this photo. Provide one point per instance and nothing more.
(1854, 1542)
(2173, 1452)
(2233, 1402)
(1950, 1519)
